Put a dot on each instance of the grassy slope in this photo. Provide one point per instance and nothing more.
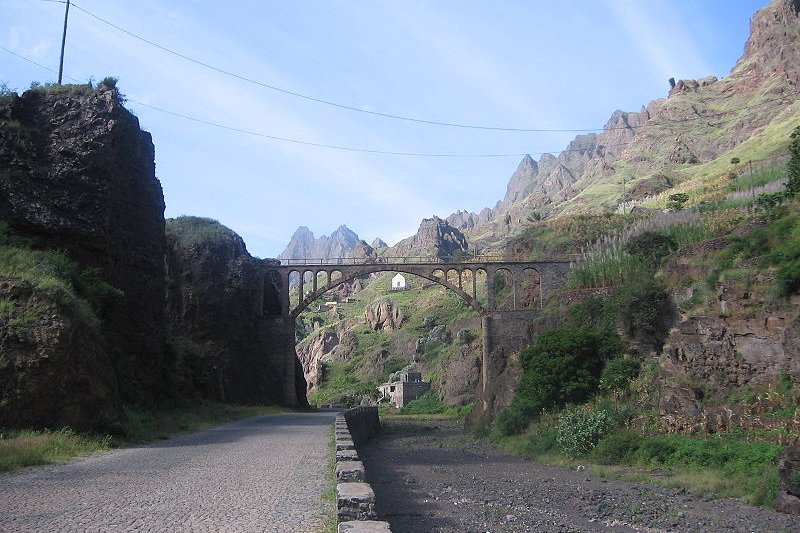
(361, 373)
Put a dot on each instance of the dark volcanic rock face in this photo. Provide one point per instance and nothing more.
(230, 343)
(77, 173)
(54, 369)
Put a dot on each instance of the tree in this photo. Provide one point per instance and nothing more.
(675, 202)
(793, 167)
(735, 161)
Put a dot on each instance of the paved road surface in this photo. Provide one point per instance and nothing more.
(260, 474)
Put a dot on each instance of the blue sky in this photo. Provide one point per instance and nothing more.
(527, 64)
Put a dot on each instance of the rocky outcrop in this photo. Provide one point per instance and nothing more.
(363, 252)
(303, 244)
(522, 181)
(228, 345)
(435, 238)
(741, 339)
(384, 314)
(54, 366)
(335, 343)
(77, 174)
(462, 220)
(787, 500)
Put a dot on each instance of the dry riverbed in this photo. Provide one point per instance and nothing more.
(430, 477)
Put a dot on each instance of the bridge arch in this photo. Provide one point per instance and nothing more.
(316, 292)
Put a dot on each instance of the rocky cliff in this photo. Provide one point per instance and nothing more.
(229, 346)
(640, 154)
(78, 175)
(434, 238)
(303, 244)
(737, 340)
(83, 278)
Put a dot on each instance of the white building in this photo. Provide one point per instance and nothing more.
(399, 282)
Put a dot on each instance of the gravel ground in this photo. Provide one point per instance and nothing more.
(428, 477)
(261, 474)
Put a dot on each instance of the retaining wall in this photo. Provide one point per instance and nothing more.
(355, 499)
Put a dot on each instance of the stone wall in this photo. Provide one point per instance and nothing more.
(363, 423)
(355, 499)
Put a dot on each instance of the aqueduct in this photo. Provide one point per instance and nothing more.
(460, 277)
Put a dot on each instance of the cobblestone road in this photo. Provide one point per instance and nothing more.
(260, 474)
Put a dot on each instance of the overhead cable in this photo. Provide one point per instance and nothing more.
(340, 105)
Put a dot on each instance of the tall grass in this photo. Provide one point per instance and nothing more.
(19, 449)
(55, 274)
(772, 174)
(605, 263)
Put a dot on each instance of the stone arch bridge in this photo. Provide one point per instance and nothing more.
(507, 328)
(460, 277)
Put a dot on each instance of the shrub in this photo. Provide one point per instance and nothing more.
(427, 404)
(788, 279)
(641, 303)
(675, 202)
(651, 246)
(562, 366)
(579, 431)
(618, 374)
(465, 336)
(793, 166)
(617, 447)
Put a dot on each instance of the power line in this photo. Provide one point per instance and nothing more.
(31, 61)
(360, 149)
(318, 145)
(357, 109)
(400, 117)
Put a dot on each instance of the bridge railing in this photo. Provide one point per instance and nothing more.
(396, 260)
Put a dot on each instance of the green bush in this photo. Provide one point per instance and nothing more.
(562, 366)
(651, 246)
(427, 404)
(618, 374)
(579, 431)
(616, 448)
(788, 280)
(793, 166)
(641, 303)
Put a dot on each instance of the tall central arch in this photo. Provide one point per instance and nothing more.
(316, 292)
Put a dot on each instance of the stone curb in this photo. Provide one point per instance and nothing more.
(355, 499)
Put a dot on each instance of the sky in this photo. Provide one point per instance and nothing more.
(534, 65)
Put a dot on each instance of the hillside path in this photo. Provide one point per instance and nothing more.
(262, 474)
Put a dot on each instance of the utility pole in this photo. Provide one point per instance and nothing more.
(63, 42)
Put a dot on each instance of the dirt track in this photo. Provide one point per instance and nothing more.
(429, 477)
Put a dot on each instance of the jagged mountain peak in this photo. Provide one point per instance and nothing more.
(435, 237)
(304, 245)
(523, 180)
(379, 243)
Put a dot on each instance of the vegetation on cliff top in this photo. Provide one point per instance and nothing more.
(199, 231)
